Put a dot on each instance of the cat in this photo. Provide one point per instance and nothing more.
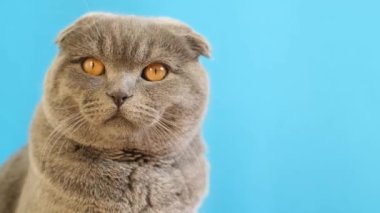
(118, 128)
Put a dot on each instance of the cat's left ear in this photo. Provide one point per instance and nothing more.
(195, 42)
(198, 44)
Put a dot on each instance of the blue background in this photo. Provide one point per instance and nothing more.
(293, 123)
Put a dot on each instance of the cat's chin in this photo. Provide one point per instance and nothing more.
(118, 121)
(118, 126)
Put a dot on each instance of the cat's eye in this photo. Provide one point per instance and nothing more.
(155, 72)
(93, 66)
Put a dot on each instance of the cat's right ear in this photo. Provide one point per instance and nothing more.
(82, 21)
(68, 31)
(63, 34)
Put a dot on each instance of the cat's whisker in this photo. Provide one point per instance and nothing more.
(144, 106)
(56, 134)
(61, 135)
(175, 135)
(63, 108)
(161, 123)
(92, 103)
(163, 115)
(49, 144)
(75, 128)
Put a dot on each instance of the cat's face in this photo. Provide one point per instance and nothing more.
(118, 106)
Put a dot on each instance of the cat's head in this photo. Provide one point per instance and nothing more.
(127, 82)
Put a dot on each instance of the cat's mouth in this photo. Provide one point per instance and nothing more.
(117, 117)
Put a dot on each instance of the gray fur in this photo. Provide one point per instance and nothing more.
(150, 158)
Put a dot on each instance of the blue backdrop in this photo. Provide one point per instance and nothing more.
(293, 123)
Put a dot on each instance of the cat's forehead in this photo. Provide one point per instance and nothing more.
(125, 39)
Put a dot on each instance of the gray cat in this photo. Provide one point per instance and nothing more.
(118, 127)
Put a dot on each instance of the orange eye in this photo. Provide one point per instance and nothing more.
(93, 66)
(154, 72)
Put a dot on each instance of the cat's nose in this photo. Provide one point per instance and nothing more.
(119, 97)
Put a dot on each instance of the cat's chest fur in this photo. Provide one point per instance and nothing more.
(130, 183)
(74, 178)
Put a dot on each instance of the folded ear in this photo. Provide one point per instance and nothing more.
(62, 35)
(197, 43)
(85, 20)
